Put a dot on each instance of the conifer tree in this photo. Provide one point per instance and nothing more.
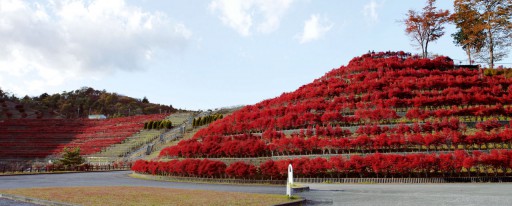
(71, 157)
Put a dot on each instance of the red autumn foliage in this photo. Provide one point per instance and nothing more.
(379, 104)
(450, 164)
(39, 138)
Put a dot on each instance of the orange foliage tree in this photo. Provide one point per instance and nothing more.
(487, 25)
(470, 35)
(426, 26)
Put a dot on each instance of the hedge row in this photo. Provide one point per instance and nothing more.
(158, 124)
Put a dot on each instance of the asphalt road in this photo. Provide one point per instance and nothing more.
(409, 194)
(121, 178)
(320, 194)
(8, 202)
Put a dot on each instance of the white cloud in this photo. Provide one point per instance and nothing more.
(48, 44)
(314, 28)
(370, 11)
(243, 15)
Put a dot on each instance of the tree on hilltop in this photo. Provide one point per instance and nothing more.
(3, 94)
(486, 25)
(145, 100)
(87, 101)
(427, 26)
(470, 35)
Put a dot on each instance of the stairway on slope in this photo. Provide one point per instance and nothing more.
(136, 146)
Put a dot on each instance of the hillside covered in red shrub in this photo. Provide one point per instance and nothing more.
(384, 107)
(40, 138)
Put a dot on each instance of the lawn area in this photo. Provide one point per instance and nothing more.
(127, 195)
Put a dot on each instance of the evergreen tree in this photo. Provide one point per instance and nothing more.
(169, 124)
(145, 100)
(71, 157)
(155, 124)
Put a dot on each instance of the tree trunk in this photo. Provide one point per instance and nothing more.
(491, 48)
(422, 49)
(468, 52)
(425, 52)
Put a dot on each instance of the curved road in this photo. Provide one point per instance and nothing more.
(320, 194)
(8, 202)
(410, 194)
(121, 178)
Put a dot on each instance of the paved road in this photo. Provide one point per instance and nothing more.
(121, 178)
(320, 194)
(410, 194)
(8, 202)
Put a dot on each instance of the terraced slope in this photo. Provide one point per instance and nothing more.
(131, 143)
(40, 138)
(144, 142)
(384, 114)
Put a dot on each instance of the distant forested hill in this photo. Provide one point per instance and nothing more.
(76, 104)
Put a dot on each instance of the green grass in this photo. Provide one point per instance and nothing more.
(367, 182)
(187, 135)
(178, 118)
(131, 143)
(127, 195)
(141, 138)
(297, 185)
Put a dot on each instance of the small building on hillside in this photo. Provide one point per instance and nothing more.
(97, 116)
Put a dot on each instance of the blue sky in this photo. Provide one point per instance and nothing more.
(195, 54)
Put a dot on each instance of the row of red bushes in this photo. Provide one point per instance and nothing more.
(256, 146)
(451, 164)
(286, 118)
(301, 110)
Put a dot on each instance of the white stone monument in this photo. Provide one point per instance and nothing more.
(289, 182)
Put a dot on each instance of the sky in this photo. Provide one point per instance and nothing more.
(196, 54)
